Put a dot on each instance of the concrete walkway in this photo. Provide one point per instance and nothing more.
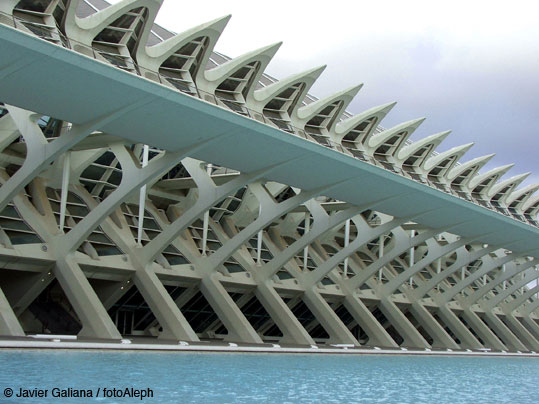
(71, 342)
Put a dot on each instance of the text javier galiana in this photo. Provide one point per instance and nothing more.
(70, 392)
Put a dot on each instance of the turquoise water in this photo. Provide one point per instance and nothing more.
(270, 378)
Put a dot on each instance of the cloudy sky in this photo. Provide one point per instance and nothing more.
(468, 66)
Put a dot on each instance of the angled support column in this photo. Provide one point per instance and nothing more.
(440, 336)
(323, 312)
(513, 331)
(412, 337)
(486, 334)
(181, 301)
(467, 339)
(169, 316)
(510, 339)
(110, 294)
(531, 323)
(378, 336)
(338, 332)
(293, 331)
(237, 324)
(530, 327)
(522, 332)
(9, 324)
(437, 332)
(239, 328)
(96, 323)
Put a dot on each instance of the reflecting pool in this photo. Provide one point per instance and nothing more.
(263, 378)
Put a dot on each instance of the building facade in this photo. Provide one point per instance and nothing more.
(152, 187)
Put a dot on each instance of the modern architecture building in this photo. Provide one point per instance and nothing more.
(154, 188)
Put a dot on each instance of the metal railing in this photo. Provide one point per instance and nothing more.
(129, 65)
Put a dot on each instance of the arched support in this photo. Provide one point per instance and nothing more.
(435, 252)
(483, 270)
(40, 153)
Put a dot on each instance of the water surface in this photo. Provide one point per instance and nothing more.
(272, 378)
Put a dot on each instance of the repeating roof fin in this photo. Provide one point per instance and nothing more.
(502, 189)
(158, 53)
(423, 147)
(310, 110)
(531, 208)
(262, 55)
(448, 158)
(376, 113)
(403, 131)
(324, 113)
(92, 25)
(308, 77)
(489, 178)
(518, 198)
(467, 170)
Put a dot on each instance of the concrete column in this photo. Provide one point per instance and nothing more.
(412, 337)
(510, 339)
(486, 334)
(174, 324)
(65, 189)
(239, 328)
(467, 339)
(346, 242)
(96, 323)
(338, 332)
(9, 324)
(306, 249)
(429, 323)
(522, 332)
(378, 336)
(293, 331)
(142, 197)
(532, 324)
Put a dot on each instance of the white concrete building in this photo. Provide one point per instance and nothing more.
(152, 187)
